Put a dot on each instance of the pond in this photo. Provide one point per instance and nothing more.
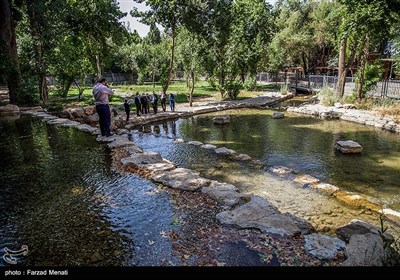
(60, 197)
(302, 143)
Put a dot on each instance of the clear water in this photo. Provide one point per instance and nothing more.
(59, 196)
(301, 143)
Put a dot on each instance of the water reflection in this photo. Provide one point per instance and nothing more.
(301, 143)
(59, 196)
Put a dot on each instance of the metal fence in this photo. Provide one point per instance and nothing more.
(388, 88)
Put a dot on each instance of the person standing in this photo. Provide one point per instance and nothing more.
(143, 101)
(138, 104)
(127, 106)
(163, 101)
(155, 102)
(172, 102)
(101, 91)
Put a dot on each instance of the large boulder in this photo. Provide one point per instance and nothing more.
(323, 246)
(365, 250)
(9, 110)
(356, 226)
(348, 147)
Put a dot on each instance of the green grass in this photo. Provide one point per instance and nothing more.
(202, 89)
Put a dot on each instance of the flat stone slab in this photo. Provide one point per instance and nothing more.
(120, 142)
(243, 157)
(306, 179)
(87, 128)
(181, 178)
(224, 151)
(164, 166)
(133, 149)
(262, 215)
(208, 147)
(326, 188)
(282, 170)
(323, 247)
(226, 194)
(348, 147)
(141, 159)
(179, 140)
(9, 109)
(195, 143)
(70, 123)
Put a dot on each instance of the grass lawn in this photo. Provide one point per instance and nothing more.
(202, 89)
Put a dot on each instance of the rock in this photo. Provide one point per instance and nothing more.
(208, 147)
(121, 131)
(364, 250)
(224, 151)
(326, 188)
(225, 193)
(70, 123)
(356, 226)
(179, 140)
(281, 170)
(92, 120)
(66, 114)
(243, 157)
(262, 215)
(120, 142)
(58, 121)
(221, 120)
(278, 115)
(356, 200)
(338, 105)
(9, 110)
(348, 147)
(133, 149)
(195, 143)
(87, 128)
(306, 179)
(77, 113)
(141, 159)
(323, 247)
(89, 110)
(164, 166)
(349, 106)
(181, 178)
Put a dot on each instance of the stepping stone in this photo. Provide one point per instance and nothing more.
(348, 147)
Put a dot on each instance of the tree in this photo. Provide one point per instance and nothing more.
(364, 27)
(189, 55)
(9, 62)
(169, 15)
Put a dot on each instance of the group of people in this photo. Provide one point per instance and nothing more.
(142, 103)
(101, 92)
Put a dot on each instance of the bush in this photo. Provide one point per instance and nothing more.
(249, 83)
(28, 93)
(233, 89)
(284, 89)
(327, 96)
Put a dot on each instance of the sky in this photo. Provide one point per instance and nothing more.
(142, 29)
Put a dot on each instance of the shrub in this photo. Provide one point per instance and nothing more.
(327, 96)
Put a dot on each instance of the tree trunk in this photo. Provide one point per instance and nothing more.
(363, 62)
(8, 40)
(38, 49)
(154, 78)
(98, 65)
(342, 68)
(171, 63)
(191, 89)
